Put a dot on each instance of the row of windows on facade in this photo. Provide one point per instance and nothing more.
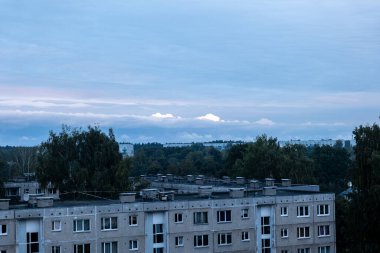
(322, 249)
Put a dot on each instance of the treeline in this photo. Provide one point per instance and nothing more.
(263, 158)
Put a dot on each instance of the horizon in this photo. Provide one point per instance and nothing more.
(179, 71)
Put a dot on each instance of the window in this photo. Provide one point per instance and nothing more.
(32, 245)
(81, 225)
(224, 239)
(200, 240)
(303, 211)
(56, 225)
(158, 233)
(179, 241)
(132, 220)
(284, 233)
(133, 245)
(108, 223)
(55, 249)
(265, 227)
(158, 250)
(82, 248)
(178, 218)
(3, 251)
(3, 229)
(109, 247)
(323, 210)
(265, 245)
(224, 216)
(324, 249)
(244, 213)
(284, 251)
(245, 236)
(200, 218)
(284, 211)
(303, 232)
(26, 191)
(304, 250)
(324, 230)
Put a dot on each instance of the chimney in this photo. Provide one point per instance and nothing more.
(127, 197)
(4, 204)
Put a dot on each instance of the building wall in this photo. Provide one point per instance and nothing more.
(148, 213)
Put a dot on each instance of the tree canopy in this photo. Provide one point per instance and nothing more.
(78, 160)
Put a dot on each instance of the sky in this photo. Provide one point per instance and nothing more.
(189, 70)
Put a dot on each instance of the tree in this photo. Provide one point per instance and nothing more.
(77, 160)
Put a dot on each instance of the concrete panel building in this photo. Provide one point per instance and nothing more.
(278, 221)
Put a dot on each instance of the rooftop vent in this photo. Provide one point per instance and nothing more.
(190, 178)
(205, 191)
(199, 180)
(44, 201)
(240, 180)
(285, 182)
(236, 192)
(4, 204)
(168, 195)
(269, 191)
(127, 197)
(269, 182)
(255, 184)
(150, 194)
(226, 179)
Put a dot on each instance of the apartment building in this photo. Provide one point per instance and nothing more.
(267, 220)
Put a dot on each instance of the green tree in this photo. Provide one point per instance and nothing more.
(77, 160)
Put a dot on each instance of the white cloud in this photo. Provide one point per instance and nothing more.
(163, 116)
(210, 117)
(265, 122)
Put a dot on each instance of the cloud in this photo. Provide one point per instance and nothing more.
(210, 117)
(163, 116)
(265, 122)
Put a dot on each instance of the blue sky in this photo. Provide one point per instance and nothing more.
(182, 71)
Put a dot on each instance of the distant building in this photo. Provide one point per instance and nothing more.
(217, 145)
(21, 190)
(312, 143)
(126, 149)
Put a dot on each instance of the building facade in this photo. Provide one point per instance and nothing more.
(274, 223)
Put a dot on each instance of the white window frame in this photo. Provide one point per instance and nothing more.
(303, 211)
(284, 233)
(108, 223)
(265, 227)
(303, 232)
(324, 230)
(4, 229)
(82, 227)
(245, 213)
(178, 241)
(113, 246)
(133, 245)
(204, 241)
(245, 236)
(224, 216)
(55, 249)
(304, 250)
(324, 249)
(323, 210)
(56, 225)
(284, 211)
(178, 218)
(224, 239)
(132, 220)
(265, 248)
(158, 250)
